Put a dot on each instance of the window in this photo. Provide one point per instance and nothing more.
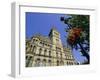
(31, 46)
(57, 54)
(40, 50)
(49, 53)
(35, 41)
(61, 55)
(49, 62)
(61, 62)
(57, 40)
(67, 63)
(44, 62)
(26, 57)
(29, 61)
(57, 48)
(41, 44)
(57, 63)
(45, 51)
(71, 63)
(37, 62)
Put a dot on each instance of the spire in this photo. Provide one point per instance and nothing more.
(54, 32)
(54, 28)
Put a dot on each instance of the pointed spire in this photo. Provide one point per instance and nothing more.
(54, 28)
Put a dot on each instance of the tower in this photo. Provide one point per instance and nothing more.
(57, 46)
(54, 35)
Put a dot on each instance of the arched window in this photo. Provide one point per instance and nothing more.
(57, 63)
(49, 62)
(61, 55)
(71, 63)
(61, 62)
(29, 61)
(44, 62)
(37, 62)
(40, 50)
(49, 53)
(45, 52)
(31, 46)
(57, 54)
(67, 63)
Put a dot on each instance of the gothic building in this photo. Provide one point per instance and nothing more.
(47, 51)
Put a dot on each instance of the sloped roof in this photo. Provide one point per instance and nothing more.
(41, 37)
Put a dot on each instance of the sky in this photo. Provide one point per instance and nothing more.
(42, 23)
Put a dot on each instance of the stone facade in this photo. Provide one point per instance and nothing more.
(47, 51)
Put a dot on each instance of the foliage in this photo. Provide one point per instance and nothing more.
(78, 32)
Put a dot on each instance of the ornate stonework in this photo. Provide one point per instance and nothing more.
(47, 51)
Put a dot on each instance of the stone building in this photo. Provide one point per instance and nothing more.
(47, 51)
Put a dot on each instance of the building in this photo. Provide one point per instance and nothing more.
(47, 51)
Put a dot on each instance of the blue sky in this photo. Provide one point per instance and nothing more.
(43, 22)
